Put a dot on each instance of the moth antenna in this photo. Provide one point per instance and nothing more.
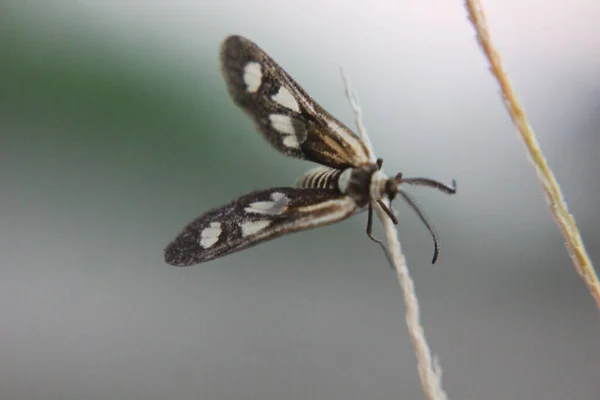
(429, 183)
(414, 205)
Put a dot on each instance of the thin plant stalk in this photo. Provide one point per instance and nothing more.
(429, 369)
(558, 206)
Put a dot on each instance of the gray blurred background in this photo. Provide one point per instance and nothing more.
(116, 131)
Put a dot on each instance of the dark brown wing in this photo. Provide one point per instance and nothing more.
(255, 218)
(286, 116)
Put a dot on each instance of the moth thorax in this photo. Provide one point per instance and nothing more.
(377, 188)
(320, 178)
(357, 182)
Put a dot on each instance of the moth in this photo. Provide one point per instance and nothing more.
(349, 179)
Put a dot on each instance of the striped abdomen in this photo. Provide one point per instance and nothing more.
(320, 178)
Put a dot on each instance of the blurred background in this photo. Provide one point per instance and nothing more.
(116, 131)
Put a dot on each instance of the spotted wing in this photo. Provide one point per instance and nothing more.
(286, 116)
(255, 218)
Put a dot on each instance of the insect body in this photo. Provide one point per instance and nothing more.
(351, 179)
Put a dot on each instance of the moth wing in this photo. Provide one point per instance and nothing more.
(255, 218)
(283, 112)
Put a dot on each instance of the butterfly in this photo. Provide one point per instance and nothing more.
(349, 179)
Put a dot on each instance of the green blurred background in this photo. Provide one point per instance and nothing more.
(116, 130)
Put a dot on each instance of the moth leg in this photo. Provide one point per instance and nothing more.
(388, 211)
(370, 226)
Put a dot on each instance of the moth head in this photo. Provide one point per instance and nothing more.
(392, 188)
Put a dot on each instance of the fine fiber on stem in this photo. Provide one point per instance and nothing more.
(558, 206)
(430, 372)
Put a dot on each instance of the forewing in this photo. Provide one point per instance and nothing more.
(286, 116)
(255, 218)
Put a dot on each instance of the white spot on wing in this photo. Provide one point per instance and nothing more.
(276, 196)
(252, 227)
(344, 180)
(252, 76)
(275, 207)
(290, 141)
(210, 235)
(283, 124)
(260, 207)
(286, 99)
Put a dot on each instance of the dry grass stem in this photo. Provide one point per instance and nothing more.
(430, 372)
(556, 201)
